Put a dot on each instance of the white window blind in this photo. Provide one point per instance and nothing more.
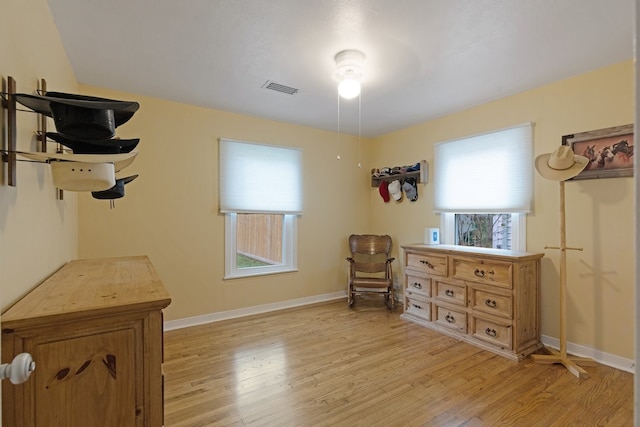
(486, 173)
(258, 178)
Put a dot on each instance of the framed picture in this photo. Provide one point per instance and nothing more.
(610, 151)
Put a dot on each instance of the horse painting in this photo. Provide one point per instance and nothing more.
(590, 153)
(609, 151)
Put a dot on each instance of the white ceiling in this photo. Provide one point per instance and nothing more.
(424, 58)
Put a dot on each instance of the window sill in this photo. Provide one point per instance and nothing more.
(240, 275)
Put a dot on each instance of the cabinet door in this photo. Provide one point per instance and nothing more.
(87, 381)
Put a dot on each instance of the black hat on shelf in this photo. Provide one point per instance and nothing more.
(81, 116)
(115, 192)
(95, 146)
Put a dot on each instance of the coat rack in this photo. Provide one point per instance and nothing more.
(570, 362)
(560, 166)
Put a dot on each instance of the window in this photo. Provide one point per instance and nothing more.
(261, 196)
(484, 187)
(257, 244)
(484, 230)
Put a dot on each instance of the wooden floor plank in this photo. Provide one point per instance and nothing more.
(328, 365)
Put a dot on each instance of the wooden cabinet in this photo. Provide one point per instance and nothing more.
(486, 297)
(94, 329)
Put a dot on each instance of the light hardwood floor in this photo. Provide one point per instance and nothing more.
(328, 365)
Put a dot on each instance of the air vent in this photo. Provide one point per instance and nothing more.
(280, 88)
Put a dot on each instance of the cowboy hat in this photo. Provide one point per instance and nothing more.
(81, 176)
(115, 192)
(560, 165)
(81, 116)
(97, 146)
(120, 161)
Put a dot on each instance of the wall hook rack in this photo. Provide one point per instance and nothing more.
(10, 105)
(9, 155)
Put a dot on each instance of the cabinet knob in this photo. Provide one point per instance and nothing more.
(19, 369)
(449, 318)
(449, 293)
(417, 285)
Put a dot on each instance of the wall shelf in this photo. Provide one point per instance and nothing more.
(421, 176)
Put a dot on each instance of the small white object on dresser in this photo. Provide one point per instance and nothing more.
(487, 297)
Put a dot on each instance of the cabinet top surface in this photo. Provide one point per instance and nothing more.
(104, 286)
(473, 251)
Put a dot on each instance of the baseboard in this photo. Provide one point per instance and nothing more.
(248, 311)
(608, 359)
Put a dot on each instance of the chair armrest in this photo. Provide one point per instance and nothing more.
(390, 260)
(351, 260)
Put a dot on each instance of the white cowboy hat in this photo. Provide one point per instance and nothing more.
(560, 165)
(81, 176)
(84, 172)
(120, 160)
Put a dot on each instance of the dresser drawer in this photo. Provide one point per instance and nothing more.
(483, 271)
(491, 332)
(428, 263)
(451, 319)
(418, 307)
(453, 294)
(492, 303)
(419, 285)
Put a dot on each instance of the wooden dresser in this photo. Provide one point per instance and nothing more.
(487, 297)
(94, 329)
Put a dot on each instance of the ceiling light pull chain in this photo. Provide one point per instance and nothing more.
(360, 130)
(339, 144)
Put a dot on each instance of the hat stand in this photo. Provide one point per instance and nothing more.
(570, 362)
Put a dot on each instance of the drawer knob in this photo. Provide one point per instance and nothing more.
(481, 273)
(491, 332)
(417, 285)
(449, 318)
(427, 263)
(490, 303)
(417, 306)
(449, 293)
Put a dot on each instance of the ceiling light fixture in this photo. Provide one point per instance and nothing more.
(349, 72)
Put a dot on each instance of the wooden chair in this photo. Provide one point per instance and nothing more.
(370, 267)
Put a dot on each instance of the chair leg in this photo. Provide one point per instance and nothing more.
(350, 299)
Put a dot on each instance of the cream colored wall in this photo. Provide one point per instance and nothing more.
(171, 211)
(38, 233)
(600, 213)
